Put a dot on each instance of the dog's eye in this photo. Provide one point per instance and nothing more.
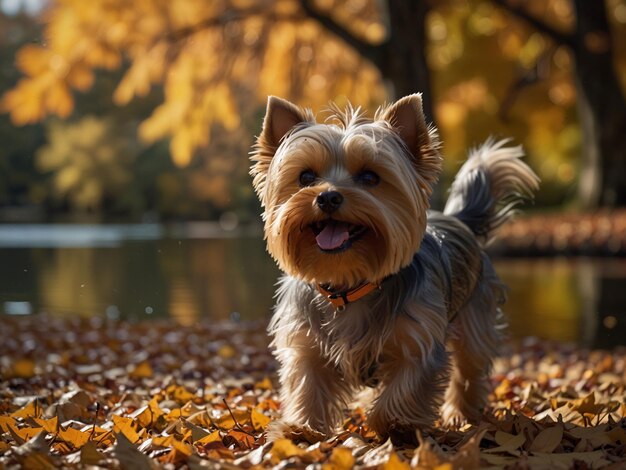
(307, 177)
(368, 178)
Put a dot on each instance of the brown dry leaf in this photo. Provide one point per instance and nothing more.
(130, 457)
(166, 414)
(90, 455)
(548, 439)
(241, 439)
(511, 446)
(196, 433)
(38, 461)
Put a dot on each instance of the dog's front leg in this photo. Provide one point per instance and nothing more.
(313, 393)
(413, 375)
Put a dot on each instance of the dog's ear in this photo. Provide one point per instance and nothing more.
(280, 117)
(407, 118)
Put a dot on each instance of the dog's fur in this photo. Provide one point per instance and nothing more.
(426, 338)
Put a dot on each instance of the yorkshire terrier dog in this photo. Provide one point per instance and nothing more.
(378, 291)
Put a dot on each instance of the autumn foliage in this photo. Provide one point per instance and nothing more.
(204, 54)
(92, 392)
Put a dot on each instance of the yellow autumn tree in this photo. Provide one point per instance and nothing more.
(204, 54)
(486, 67)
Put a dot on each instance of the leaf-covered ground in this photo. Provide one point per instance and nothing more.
(78, 393)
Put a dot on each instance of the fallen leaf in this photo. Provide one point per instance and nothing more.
(90, 455)
(125, 426)
(130, 457)
(259, 420)
(548, 439)
(341, 458)
(23, 368)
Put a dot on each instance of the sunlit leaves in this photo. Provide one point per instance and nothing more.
(203, 53)
(551, 406)
(89, 160)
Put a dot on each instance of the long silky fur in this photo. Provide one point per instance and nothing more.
(425, 340)
(488, 187)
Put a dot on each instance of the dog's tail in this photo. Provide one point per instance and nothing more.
(489, 185)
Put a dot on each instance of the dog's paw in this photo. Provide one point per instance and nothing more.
(452, 417)
(296, 432)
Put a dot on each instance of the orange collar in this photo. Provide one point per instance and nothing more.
(340, 299)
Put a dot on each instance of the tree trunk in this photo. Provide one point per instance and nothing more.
(402, 58)
(602, 109)
(402, 61)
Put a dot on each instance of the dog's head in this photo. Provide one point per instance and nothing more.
(345, 201)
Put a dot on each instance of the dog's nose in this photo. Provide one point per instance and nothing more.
(329, 201)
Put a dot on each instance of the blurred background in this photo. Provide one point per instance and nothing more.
(125, 129)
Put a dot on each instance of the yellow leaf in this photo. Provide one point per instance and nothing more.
(58, 99)
(227, 351)
(259, 420)
(395, 463)
(341, 458)
(23, 368)
(141, 371)
(182, 447)
(163, 441)
(179, 394)
(72, 436)
(182, 146)
(22, 435)
(30, 410)
(149, 414)
(80, 77)
(50, 425)
(213, 437)
(265, 384)
(33, 60)
(126, 427)
(5, 421)
(284, 449)
(225, 420)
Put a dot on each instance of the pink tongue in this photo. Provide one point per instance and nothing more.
(333, 235)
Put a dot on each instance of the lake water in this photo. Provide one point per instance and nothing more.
(198, 271)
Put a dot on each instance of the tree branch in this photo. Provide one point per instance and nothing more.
(362, 47)
(523, 14)
(225, 18)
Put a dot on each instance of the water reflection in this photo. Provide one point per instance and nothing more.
(573, 300)
(567, 300)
